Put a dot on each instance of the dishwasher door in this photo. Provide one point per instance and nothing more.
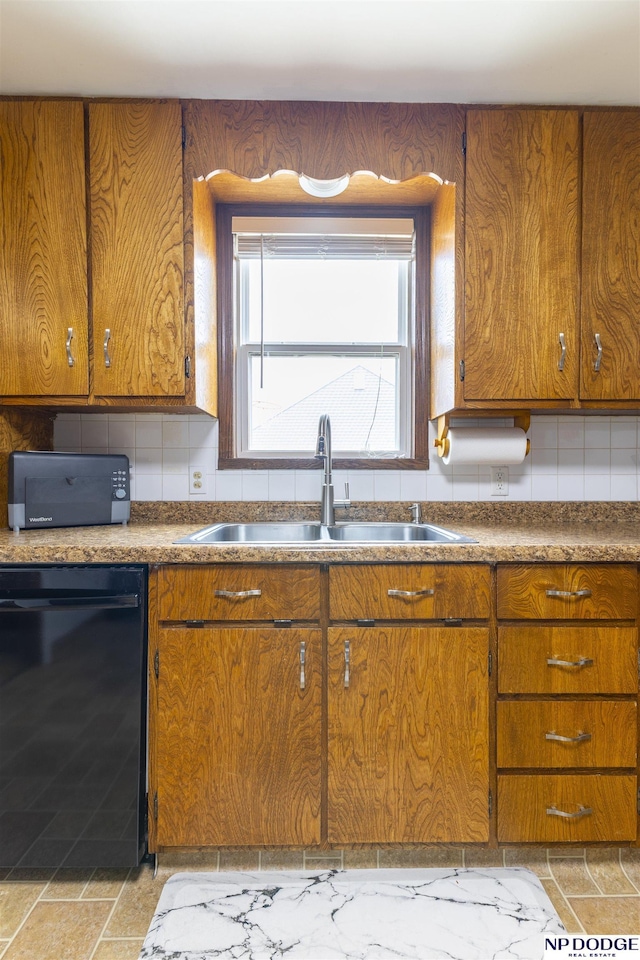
(72, 715)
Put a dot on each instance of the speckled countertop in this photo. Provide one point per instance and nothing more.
(504, 532)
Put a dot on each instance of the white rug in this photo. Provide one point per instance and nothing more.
(356, 914)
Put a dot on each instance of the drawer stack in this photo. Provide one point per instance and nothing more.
(567, 702)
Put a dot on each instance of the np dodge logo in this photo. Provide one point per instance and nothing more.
(40, 519)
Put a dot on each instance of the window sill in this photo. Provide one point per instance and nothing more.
(373, 463)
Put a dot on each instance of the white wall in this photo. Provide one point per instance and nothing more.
(572, 458)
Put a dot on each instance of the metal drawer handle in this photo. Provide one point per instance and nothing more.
(237, 594)
(70, 359)
(105, 347)
(563, 352)
(347, 662)
(410, 593)
(580, 812)
(303, 654)
(582, 662)
(598, 360)
(581, 738)
(568, 594)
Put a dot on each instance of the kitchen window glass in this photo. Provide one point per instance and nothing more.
(324, 321)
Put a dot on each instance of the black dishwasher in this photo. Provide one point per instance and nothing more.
(72, 715)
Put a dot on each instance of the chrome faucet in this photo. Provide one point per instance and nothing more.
(323, 452)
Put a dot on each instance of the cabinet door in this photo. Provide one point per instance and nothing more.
(238, 731)
(611, 256)
(408, 735)
(521, 268)
(137, 249)
(43, 254)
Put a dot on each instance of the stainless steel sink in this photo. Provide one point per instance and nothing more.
(394, 533)
(318, 533)
(256, 533)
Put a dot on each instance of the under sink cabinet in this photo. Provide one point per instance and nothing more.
(380, 703)
(285, 712)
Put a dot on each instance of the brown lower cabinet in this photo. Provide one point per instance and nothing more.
(566, 724)
(408, 734)
(293, 706)
(238, 732)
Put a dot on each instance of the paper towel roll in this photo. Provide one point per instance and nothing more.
(495, 446)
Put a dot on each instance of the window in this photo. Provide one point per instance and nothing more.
(322, 311)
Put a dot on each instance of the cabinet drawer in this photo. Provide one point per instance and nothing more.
(398, 591)
(239, 591)
(610, 655)
(598, 733)
(595, 591)
(523, 802)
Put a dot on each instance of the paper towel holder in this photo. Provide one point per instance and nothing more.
(521, 419)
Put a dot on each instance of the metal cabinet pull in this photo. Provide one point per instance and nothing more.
(347, 662)
(568, 594)
(105, 347)
(582, 662)
(70, 359)
(598, 360)
(581, 738)
(237, 594)
(303, 654)
(580, 812)
(563, 352)
(410, 593)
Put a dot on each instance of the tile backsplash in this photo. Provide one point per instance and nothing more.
(572, 458)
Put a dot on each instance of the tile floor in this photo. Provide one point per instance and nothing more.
(104, 914)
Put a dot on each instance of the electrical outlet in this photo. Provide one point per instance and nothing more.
(499, 481)
(197, 480)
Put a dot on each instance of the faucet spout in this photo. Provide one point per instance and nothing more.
(323, 452)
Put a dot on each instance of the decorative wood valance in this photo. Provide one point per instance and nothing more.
(255, 138)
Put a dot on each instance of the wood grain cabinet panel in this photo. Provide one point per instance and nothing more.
(238, 736)
(408, 735)
(43, 254)
(241, 591)
(611, 255)
(596, 591)
(592, 660)
(522, 273)
(397, 591)
(523, 802)
(582, 733)
(137, 262)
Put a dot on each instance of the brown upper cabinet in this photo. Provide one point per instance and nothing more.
(135, 174)
(43, 255)
(611, 256)
(521, 256)
(108, 287)
(112, 321)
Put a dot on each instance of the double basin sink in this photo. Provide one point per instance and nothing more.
(318, 533)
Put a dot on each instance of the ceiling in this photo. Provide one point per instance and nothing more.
(460, 51)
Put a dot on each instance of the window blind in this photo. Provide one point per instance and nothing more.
(319, 238)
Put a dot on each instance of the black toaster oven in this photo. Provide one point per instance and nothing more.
(67, 489)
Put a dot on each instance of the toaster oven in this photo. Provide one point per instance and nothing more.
(67, 489)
